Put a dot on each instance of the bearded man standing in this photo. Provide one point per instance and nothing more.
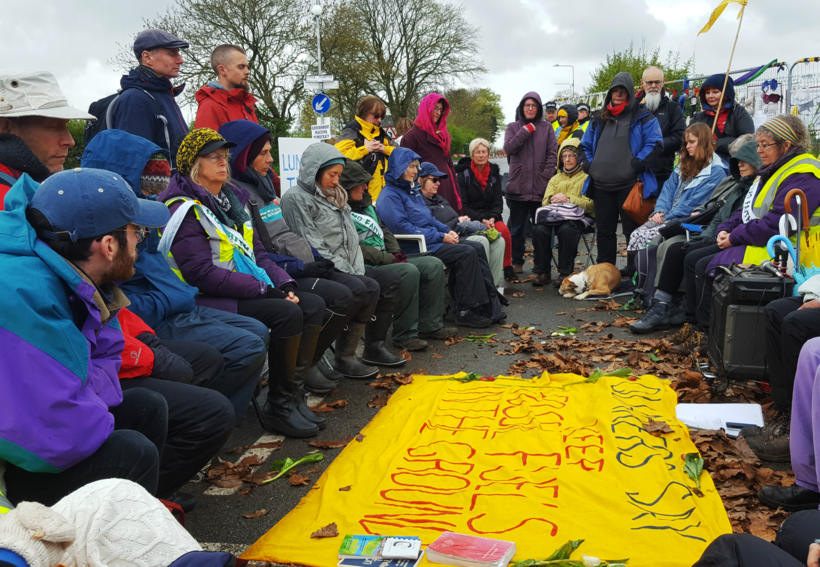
(670, 117)
(229, 97)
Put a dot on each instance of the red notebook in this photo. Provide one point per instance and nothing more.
(468, 551)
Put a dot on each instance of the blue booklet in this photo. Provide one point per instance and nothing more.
(379, 562)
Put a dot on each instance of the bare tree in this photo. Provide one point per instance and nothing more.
(275, 33)
(399, 50)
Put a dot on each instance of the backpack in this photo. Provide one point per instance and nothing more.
(103, 109)
(646, 266)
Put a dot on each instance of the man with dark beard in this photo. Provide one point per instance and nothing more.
(670, 117)
(67, 421)
(229, 97)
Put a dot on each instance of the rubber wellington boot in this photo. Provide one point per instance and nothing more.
(281, 413)
(323, 361)
(304, 375)
(306, 412)
(346, 360)
(375, 334)
(325, 366)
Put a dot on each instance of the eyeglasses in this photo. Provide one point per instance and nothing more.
(530, 106)
(142, 232)
(377, 116)
(435, 181)
(438, 109)
(654, 83)
(214, 158)
(759, 147)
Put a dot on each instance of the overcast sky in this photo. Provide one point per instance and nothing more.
(521, 39)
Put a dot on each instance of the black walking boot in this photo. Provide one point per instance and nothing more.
(281, 413)
(656, 318)
(375, 334)
(323, 362)
(346, 360)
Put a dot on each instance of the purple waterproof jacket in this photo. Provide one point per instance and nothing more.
(533, 157)
(218, 287)
(758, 232)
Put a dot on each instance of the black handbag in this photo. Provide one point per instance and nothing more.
(673, 228)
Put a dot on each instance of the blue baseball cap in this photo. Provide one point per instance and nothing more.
(428, 168)
(149, 39)
(86, 203)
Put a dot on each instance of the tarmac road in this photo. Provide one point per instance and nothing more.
(218, 520)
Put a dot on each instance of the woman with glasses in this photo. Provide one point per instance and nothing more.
(732, 118)
(365, 142)
(210, 243)
(782, 144)
(430, 139)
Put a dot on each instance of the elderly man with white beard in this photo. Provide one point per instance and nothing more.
(670, 117)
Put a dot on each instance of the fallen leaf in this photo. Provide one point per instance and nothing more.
(257, 514)
(338, 404)
(329, 530)
(403, 379)
(331, 444)
(436, 356)
(517, 295)
(360, 437)
(344, 489)
(298, 480)
(238, 450)
(378, 401)
(321, 408)
(450, 341)
(226, 482)
(270, 445)
(657, 428)
(406, 355)
(250, 461)
(562, 313)
(314, 470)
(246, 491)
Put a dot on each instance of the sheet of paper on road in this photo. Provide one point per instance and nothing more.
(523, 461)
(716, 416)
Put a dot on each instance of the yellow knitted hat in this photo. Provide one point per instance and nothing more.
(192, 145)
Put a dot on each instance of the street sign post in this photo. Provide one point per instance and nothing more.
(321, 103)
(319, 78)
(321, 86)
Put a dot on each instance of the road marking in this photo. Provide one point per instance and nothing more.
(263, 454)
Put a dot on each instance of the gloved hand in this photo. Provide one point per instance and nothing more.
(286, 288)
(399, 258)
(529, 128)
(698, 240)
(275, 293)
(167, 365)
(316, 269)
(36, 533)
(638, 166)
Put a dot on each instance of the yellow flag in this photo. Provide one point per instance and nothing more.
(719, 10)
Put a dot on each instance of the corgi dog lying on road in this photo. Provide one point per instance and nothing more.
(600, 279)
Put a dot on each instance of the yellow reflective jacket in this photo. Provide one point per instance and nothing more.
(351, 143)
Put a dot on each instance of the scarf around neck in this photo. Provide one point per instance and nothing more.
(263, 184)
(336, 196)
(228, 208)
(617, 109)
(482, 175)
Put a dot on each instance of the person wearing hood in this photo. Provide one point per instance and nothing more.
(472, 231)
(250, 163)
(550, 115)
(698, 173)
(158, 297)
(733, 119)
(568, 124)
(670, 118)
(317, 209)
(402, 208)
(564, 187)
(479, 184)
(228, 97)
(365, 142)
(532, 148)
(147, 106)
(210, 243)
(726, 197)
(620, 148)
(430, 139)
(419, 314)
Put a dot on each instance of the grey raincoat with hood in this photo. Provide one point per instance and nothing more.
(307, 212)
(533, 157)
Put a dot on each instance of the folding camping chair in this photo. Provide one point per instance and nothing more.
(587, 237)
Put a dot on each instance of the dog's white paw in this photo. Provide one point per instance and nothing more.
(582, 296)
(568, 296)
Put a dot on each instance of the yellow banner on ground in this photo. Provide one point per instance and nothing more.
(533, 462)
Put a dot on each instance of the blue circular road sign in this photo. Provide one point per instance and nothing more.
(321, 103)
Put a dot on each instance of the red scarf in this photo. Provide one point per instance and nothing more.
(616, 110)
(722, 117)
(482, 175)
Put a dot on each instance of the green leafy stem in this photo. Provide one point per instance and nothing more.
(286, 465)
(561, 558)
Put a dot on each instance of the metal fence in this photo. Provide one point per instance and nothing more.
(780, 89)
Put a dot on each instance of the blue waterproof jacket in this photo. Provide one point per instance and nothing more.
(402, 208)
(695, 194)
(139, 114)
(156, 293)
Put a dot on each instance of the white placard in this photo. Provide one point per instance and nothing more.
(715, 416)
(290, 154)
(320, 131)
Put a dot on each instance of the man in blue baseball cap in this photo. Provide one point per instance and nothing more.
(65, 420)
(147, 106)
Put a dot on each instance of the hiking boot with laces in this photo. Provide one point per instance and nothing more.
(541, 280)
(682, 335)
(695, 343)
(770, 442)
(655, 319)
(677, 313)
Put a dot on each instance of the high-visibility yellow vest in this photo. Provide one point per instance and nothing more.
(764, 200)
(585, 125)
(224, 241)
